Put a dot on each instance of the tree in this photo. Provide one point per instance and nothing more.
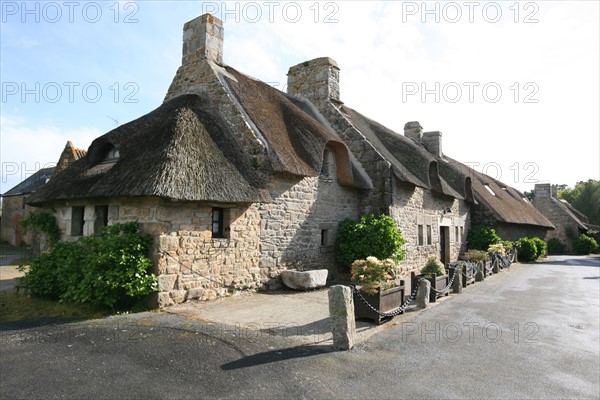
(585, 197)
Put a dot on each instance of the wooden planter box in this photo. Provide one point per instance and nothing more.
(387, 300)
(437, 283)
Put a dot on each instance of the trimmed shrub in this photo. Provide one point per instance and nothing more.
(476, 255)
(111, 269)
(482, 237)
(541, 247)
(527, 249)
(555, 246)
(433, 266)
(375, 236)
(585, 245)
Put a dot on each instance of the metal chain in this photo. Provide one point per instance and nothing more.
(443, 291)
(397, 311)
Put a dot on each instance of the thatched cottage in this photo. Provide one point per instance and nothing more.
(239, 181)
(14, 201)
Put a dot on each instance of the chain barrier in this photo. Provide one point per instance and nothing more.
(398, 311)
(444, 290)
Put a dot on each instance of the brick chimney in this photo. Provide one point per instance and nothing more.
(433, 142)
(318, 80)
(413, 130)
(202, 44)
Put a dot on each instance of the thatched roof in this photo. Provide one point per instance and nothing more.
(580, 219)
(185, 150)
(506, 203)
(180, 151)
(410, 161)
(31, 184)
(295, 132)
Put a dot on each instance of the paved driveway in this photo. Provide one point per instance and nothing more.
(531, 332)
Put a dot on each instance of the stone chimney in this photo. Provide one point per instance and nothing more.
(202, 42)
(318, 80)
(413, 130)
(433, 142)
(543, 191)
(203, 38)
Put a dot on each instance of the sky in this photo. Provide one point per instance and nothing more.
(513, 86)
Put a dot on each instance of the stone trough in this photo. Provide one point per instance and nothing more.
(304, 280)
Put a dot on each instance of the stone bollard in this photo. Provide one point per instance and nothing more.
(479, 276)
(341, 310)
(496, 267)
(457, 282)
(423, 293)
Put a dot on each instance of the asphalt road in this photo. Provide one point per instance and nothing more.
(531, 332)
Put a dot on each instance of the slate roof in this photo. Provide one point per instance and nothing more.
(31, 184)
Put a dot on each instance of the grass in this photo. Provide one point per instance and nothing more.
(17, 307)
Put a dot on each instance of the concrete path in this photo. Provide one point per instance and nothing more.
(9, 259)
(529, 333)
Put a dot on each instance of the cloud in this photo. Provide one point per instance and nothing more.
(27, 147)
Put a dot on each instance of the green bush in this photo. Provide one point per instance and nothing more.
(482, 237)
(555, 246)
(541, 247)
(110, 269)
(585, 245)
(375, 236)
(433, 266)
(527, 249)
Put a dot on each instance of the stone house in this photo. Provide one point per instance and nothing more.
(14, 207)
(569, 222)
(432, 197)
(238, 181)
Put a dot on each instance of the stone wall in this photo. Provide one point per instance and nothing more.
(517, 231)
(296, 230)
(13, 210)
(413, 206)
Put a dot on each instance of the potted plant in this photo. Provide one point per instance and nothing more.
(378, 285)
(435, 273)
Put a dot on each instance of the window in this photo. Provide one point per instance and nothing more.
(327, 167)
(112, 155)
(420, 234)
(23, 203)
(218, 223)
(101, 219)
(462, 233)
(77, 221)
(324, 237)
(429, 235)
(456, 238)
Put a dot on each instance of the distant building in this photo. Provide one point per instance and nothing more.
(14, 206)
(569, 222)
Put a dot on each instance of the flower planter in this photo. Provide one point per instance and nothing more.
(437, 282)
(386, 300)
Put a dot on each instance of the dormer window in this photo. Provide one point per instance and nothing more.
(111, 156)
(328, 167)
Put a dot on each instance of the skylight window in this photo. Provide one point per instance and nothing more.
(489, 189)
